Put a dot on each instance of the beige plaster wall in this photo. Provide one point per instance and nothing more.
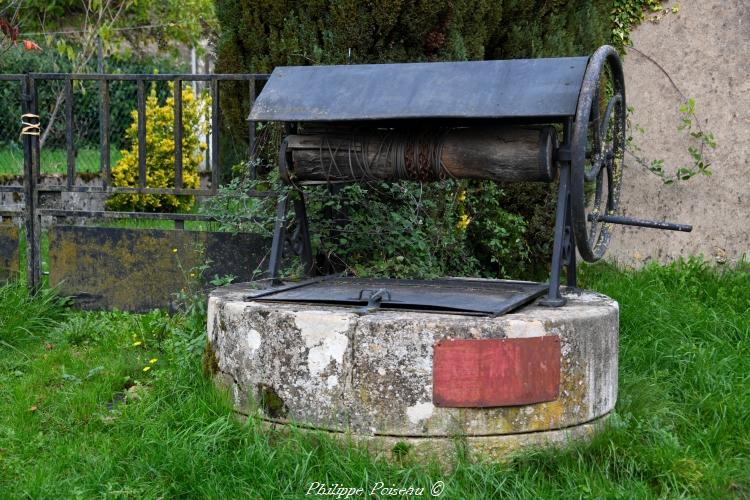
(705, 48)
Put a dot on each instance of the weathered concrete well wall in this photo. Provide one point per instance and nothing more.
(705, 49)
(376, 377)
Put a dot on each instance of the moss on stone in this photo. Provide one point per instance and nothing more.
(400, 450)
(209, 361)
(88, 176)
(272, 405)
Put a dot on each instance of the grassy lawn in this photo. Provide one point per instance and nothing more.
(54, 161)
(80, 418)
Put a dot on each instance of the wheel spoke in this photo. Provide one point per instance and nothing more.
(616, 99)
(596, 167)
(596, 208)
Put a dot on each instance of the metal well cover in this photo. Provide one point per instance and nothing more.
(515, 88)
(454, 296)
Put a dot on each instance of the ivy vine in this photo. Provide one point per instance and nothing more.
(627, 14)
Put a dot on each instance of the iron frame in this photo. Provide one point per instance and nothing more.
(571, 235)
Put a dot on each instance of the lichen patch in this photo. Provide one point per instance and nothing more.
(419, 412)
(325, 335)
(525, 328)
(253, 340)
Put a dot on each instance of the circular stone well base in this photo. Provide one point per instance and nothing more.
(446, 449)
(369, 376)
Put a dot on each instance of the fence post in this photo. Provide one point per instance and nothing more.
(104, 166)
(141, 83)
(30, 132)
(214, 145)
(252, 153)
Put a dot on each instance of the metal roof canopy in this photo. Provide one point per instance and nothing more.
(515, 88)
(449, 296)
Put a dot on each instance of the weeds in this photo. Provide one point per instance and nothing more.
(23, 316)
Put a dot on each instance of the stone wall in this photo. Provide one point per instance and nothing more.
(69, 201)
(704, 48)
(65, 200)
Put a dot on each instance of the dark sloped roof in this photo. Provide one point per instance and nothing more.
(475, 89)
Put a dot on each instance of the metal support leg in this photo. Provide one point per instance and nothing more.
(570, 267)
(279, 237)
(302, 244)
(554, 299)
(299, 241)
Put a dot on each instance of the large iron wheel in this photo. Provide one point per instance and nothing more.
(597, 151)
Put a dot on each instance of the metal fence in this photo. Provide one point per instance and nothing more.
(35, 194)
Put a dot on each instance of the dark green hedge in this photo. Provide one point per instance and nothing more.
(257, 35)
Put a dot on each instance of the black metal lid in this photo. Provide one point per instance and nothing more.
(454, 296)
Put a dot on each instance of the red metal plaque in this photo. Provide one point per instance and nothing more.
(481, 373)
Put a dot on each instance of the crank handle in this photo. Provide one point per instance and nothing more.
(632, 221)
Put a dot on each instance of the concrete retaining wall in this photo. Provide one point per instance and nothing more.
(65, 200)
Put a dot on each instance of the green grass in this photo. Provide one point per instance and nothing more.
(68, 429)
(54, 161)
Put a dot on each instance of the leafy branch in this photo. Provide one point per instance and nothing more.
(9, 30)
(690, 125)
(628, 13)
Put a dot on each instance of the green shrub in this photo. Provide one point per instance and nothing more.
(407, 230)
(160, 154)
(258, 35)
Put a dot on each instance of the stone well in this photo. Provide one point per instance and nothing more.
(390, 376)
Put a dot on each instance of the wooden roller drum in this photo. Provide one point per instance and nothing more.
(508, 154)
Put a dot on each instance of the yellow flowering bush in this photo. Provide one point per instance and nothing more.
(463, 217)
(160, 154)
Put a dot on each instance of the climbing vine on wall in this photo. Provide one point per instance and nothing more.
(699, 141)
(626, 14)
